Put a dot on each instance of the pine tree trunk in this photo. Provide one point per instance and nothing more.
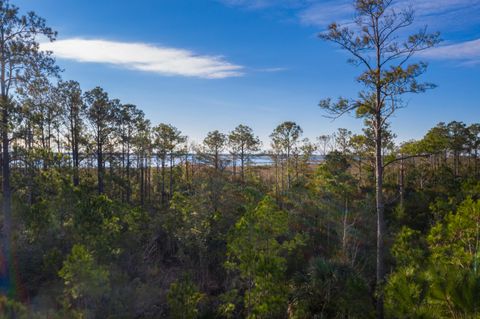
(380, 263)
(7, 192)
(100, 169)
(187, 179)
(345, 225)
(163, 179)
(242, 163)
(129, 187)
(402, 182)
(142, 182)
(171, 176)
(76, 178)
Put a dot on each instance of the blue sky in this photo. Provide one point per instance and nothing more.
(213, 64)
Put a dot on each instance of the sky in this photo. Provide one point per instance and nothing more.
(203, 65)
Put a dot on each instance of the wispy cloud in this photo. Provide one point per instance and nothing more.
(322, 13)
(425, 7)
(466, 52)
(252, 4)
(261, 4)
(144, 57)
(438, 15)
(272, 70)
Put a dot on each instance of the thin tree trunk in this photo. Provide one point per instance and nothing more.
(111, 186)
(288, 168)
(100, 169)
(122, 173)
(345, 224)
(171, 174)
(475, 164)
(142, 183)
(402, 183)
(129, 187)
(276, 178)
(380, 263)
(234, 163)
(163, 179)
(7, 194)
(76, 178)
(148, 184)
(242, 163)
(186, 168)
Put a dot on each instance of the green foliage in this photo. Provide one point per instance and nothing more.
(97, 224)
(454, 292)
(183, 299)
(440, 279)
(228, 304)
(100, 224)
(409, 248)
(331, 290)
(85, 281)
(405, 294)
(458, 237)
(10, 309)
(188, 223)
(256, 249)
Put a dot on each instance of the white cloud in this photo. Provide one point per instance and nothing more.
(466, 52)
(144, 57)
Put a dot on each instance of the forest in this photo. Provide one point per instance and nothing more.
(108, 215)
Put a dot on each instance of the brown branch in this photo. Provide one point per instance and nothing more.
(404, 158)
